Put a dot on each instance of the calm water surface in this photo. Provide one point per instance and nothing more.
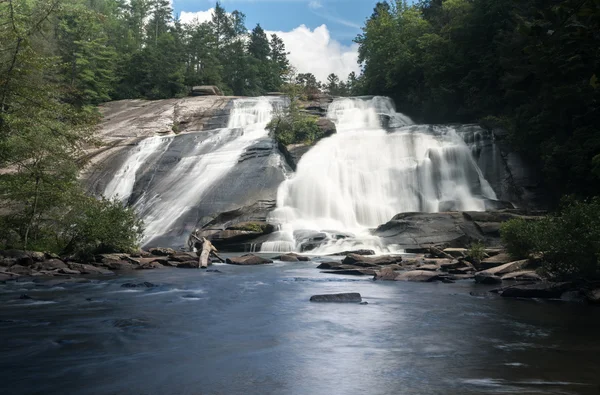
(252, 330)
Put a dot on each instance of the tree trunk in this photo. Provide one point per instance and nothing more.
(205, 248)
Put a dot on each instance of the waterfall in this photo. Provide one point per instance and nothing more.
(362, 176)
(211, 156)
(121, 185)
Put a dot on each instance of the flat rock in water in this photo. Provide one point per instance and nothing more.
(593, 296)
(496, 260)
(248, 260)
(522, 275)
(150, 266)
(363, 261)
(487, 278)
(386, 274)
(183, 257)
(145, 284)
(329, 265)
(51, 264)
(87, 269)
(337, 298)
(291, 257)
(352, 272)
(507, 268)
(189, 265)
(288, 258)
(456, 252)
(117, 265)
(542, 290)
(430, 268)
(422, 276)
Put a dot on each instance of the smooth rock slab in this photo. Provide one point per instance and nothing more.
(337, 298)
(422, 276)
(248, 260)
(360, 260)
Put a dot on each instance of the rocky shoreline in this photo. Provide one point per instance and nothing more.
(515, 279)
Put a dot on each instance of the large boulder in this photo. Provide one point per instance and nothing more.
(386, 274)
(487, 278)
(206, 90)
(248, 260)
(160, 251)
(352, 271)
(329, 265)
(364, 261)
(88, 269)
(51, 264)
(593, 296)
(291, 257)
(422, 276)
(23, 258)
(337, 298)
(506, 268)
(540, 290)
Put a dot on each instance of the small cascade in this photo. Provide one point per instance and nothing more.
(211, 156)
(121, 185)
(378, 164)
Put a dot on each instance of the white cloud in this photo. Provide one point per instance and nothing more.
(314, 51)
(315, 4)
(200, 16)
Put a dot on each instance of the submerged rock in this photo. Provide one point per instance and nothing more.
(337, 298)
(543, 290)
(145, 284)
(329, 265)
(352, 272)
(487, 278)
(248, 260)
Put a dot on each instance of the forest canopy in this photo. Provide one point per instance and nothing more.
(531, 67)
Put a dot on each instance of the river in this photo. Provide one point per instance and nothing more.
(252, 330)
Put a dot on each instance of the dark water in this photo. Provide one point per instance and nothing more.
(251, 330)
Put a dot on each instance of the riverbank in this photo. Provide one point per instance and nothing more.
(511, 279)
(253, 330)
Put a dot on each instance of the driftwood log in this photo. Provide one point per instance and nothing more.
(205, 250)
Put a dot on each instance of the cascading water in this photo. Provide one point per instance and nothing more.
(362, 176)
(212, 156)
(121, 185)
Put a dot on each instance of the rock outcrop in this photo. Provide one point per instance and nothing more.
(248, 260)
(413, 231)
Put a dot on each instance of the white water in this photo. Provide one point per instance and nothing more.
(121, 185)
(364, 175)
(210, 159)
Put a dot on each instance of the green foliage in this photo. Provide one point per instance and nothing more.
(249, 227)
(46, 122)
(529, 67)
(100, 226)
(476, 251)
(568, 242)
(293, 130)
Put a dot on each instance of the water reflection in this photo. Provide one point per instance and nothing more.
(253, 331)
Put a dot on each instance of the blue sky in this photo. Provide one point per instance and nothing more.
(317, 33)
(343, 17)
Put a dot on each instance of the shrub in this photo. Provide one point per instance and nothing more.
(568, 242)
(288, 129)
(100, 226)
(476, 251)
